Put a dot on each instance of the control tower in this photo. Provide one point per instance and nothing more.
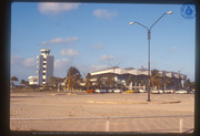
(45, 66)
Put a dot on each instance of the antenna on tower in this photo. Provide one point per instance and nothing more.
(49, 49)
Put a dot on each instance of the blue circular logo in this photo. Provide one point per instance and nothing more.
(188, 11)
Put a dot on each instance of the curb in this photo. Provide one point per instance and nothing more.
(98, 102)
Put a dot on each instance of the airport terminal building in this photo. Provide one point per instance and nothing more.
(137, 77)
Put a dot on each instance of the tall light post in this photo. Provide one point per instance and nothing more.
(149, 37)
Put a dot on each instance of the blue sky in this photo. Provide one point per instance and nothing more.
(95, 36)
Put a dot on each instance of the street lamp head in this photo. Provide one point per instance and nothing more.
(131, 23)
(170, 12)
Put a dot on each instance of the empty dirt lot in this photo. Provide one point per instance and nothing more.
(102, 112)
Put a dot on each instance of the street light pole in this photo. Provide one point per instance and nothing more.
(149, 76)
(149, 37)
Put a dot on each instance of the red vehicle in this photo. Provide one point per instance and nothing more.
(90, 91)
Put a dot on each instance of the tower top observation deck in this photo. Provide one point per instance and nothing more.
(45, 51)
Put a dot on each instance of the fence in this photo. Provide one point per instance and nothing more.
(155, 124)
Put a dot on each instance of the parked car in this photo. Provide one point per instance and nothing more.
(160, 91)
(192, 92)
(110, 90)
(136, 91)
(154, 91)
(103, 91)
(168, 91)
(173, 91)
(90, 91)
(157, 91)
(97, 90)
(129, 91)
(142, 91)
(117, 91)
(181, 91)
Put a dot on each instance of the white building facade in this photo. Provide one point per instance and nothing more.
(138, 76)
(45, 66)
(33, 80)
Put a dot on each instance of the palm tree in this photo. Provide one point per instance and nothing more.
(55, 80)
(155, 79)
(129, 80)
(187, 84)
(143, 82)
(171, 82)
(154, 72)
(73, 78)
(166, 81)
(13, 79)
(99, 82)
(135, 80)
(88, 83)
(23, 82)
(110, 80)
(192, 85)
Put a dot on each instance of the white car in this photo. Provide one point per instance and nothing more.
(172, 91)
(117, 91)
(168, 91)
(155, 91)
(142, 91)
(97, 91)
(181, 91)
(110, 90)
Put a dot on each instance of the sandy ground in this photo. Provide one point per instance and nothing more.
(70, 112)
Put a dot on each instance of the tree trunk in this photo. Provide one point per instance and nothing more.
(165, 87)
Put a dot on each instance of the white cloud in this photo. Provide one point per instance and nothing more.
(56, 8)
(66, 41)
(29, 62)
(57, 40)
(97, 67)
(97, 46)
(106, 58)
(16, 59)
(61, 63)
(102, 13)
(69, 52)
(84, 69)
(23, 67)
